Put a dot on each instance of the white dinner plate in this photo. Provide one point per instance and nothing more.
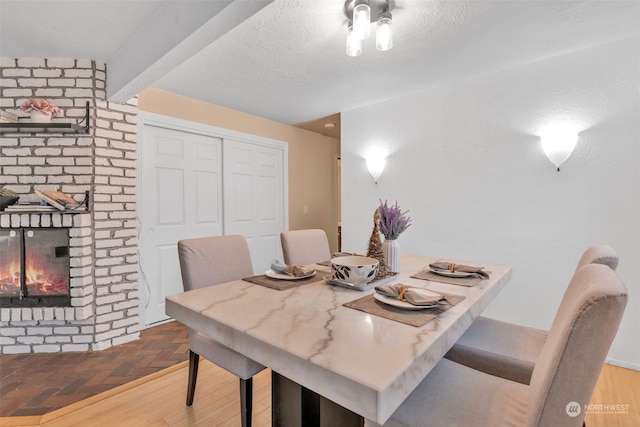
(362, 287)
(401, 304)
(450, 274)
(282, 276)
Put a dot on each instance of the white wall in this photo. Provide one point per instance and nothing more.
(465, 158)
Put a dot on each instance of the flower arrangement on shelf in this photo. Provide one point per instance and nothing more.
(40, 104)
(393, 221)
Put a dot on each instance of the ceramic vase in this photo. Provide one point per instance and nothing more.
(39, 117)
(391, 252)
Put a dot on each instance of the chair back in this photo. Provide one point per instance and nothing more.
(305, 246)
(208, 261)
(599, 254)
(567, 370)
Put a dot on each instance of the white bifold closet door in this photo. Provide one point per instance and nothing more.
(196, 185)
(253, 198)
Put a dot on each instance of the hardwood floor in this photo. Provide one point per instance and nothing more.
(616, 399)
(159, 400)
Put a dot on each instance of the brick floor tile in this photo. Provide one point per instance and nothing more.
(35, 384)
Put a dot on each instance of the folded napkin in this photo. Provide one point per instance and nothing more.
(291, 270)
(341, 254)
(415, 296)
(453, 267)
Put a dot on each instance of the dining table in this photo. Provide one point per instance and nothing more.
(327, 357)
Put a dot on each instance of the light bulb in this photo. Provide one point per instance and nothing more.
(362, 19)
(354, 44)
(384, 34)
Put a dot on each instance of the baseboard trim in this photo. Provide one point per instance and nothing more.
(623, 364)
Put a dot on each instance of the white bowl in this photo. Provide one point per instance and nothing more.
(354, 269)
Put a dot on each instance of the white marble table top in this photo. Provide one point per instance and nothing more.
(363, 362)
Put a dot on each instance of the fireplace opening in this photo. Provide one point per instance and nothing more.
(34, 267)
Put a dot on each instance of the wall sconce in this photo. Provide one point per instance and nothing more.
(375, 166)
(558, 145)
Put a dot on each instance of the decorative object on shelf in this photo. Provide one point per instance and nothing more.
(8, 117)
(359, 15)
(7, 197)
(39, 117)
(375, 246)
(30, 207)
(7, 192)
(392, 223)
(60, 200)
(40, 109)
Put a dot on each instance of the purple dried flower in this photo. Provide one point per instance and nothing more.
(392, 220)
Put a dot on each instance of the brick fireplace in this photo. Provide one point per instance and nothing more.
(104, 278)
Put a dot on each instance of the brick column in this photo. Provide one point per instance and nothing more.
(105, 302)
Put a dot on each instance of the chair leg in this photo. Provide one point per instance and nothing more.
(246, 399)
(194, 359)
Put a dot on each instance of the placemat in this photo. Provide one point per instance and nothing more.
(463, 281)
(370, 305)
(281, 285)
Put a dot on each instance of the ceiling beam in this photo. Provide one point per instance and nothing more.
(178, 31)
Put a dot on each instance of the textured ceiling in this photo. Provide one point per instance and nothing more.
(285, 60)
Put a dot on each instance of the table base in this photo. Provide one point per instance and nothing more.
(297, 406)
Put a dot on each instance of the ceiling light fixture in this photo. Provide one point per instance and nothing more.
(359, 14)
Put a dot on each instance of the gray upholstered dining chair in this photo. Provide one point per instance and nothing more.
(509, 350)
(209, 261)
(305, 246)
(563, 380)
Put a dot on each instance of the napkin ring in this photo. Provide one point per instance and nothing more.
(403, 289)
(452, 266)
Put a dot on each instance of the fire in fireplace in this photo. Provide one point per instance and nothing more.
(34, 267)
